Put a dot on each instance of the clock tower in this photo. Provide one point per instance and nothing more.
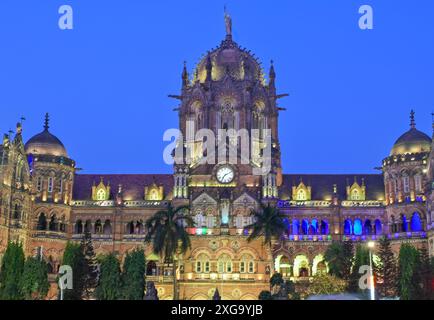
(228, 118)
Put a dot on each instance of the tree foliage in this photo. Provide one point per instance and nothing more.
(407, 262)
(339, 256)
(110, 281)
(90, 266)
(265, 295)
(11, 272)
(268, 223)
(165, 230)
(133, 275)
(34, 283)
(326, 284)
(386, 269)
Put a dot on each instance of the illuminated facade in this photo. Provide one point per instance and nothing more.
(44, 202)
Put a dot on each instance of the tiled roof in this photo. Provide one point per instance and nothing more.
(322, 184)
(133, 185)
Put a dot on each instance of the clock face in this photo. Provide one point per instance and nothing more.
(225, 175)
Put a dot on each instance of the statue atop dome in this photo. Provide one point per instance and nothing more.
(228, 23)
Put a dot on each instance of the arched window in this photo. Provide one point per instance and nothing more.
(42, 222)
(88, 226)
(418, 183)
(130, 227)
(416, 223)
(202, 264)
(358, 227)
(79, 227)
(368, 227)
(101, 195)
(355, 195)
(404, 223)
(301, 195)
(153, 195)
(406, 184)
(295, 227)
(305, 226)
(107, 229)
(53, 225)
(313, 229)
(246, 264)
(324, 227)
(151, 268)
(225, 264)
(199, 220)
(17, 211)
(378, 227)
(62, 224)
(348, 227)
(139, 227)
(98, 227)
(287, 226)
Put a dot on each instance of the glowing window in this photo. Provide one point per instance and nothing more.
(418, 183)
(101, 195)
(39, 184)
(153, 196)
(355, 195)
(301, 195)
(406, 182)
(224, 264)
(50, 184)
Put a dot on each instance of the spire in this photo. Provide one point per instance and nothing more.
(184, 75)
(272, 72)
(47, 122)
(412, 121)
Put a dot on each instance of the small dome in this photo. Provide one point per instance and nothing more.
(45, 143)
(413, 141)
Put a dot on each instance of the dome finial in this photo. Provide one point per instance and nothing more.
(228, 23)
(412, 121)
(47, 122)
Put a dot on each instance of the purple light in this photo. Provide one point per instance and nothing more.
(396, 235)
(409, 234)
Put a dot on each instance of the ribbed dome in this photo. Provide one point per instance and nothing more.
(230, 59)
(413, 141)
(45, 143)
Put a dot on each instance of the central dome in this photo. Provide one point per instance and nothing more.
(229, 58)
(413, 141)
(45, 143)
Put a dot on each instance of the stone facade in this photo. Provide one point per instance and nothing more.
(44, 202)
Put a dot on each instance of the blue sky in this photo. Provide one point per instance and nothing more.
(105, 83)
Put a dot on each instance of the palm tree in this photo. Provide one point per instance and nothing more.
(165, 230)
(268, 224)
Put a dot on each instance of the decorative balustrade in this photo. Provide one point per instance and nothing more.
(363, 204)
(111, 203)
(282, 204)
(49, 234)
